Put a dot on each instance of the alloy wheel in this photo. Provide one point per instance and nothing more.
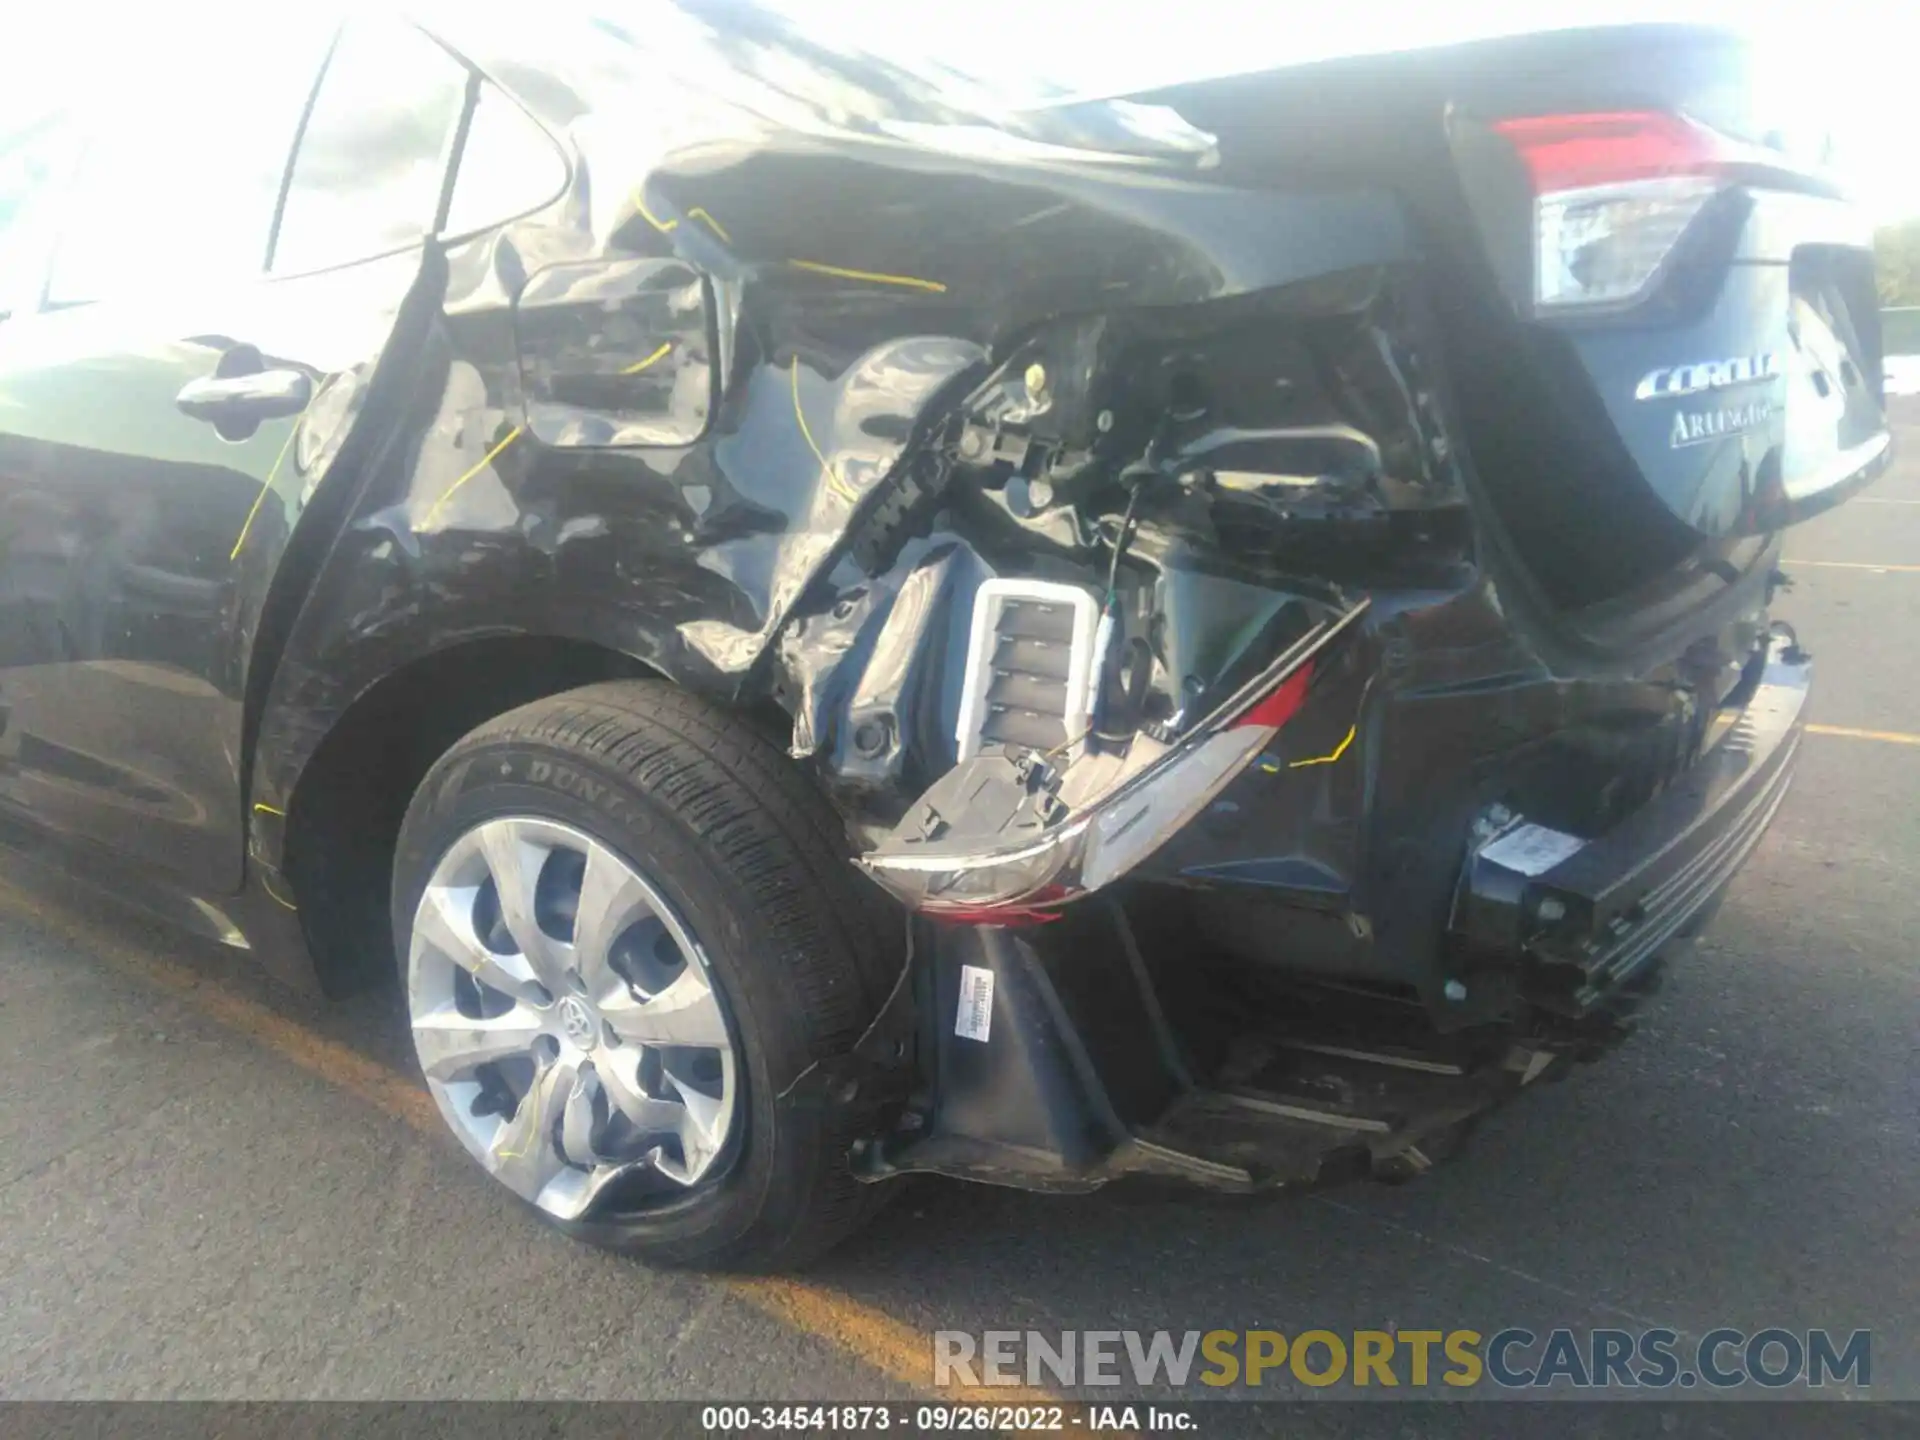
(567, 1019)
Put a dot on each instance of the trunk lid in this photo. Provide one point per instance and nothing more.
(1656, 308)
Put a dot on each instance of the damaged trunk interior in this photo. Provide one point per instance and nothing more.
(1133, 566)
(1123, 558)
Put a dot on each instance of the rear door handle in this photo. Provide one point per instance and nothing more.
(241, 402)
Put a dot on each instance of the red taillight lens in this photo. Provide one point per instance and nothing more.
(1281, 703)
(1572, 152)
(1614, 193)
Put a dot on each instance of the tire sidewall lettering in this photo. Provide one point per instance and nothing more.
(600, 795)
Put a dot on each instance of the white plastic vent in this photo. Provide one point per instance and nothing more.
(1029, 664)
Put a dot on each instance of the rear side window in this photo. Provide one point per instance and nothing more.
(508, 166)
(368, 175)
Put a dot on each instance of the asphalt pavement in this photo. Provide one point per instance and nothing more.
(211, 1189)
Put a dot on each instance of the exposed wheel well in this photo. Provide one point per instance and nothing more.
(345, 811)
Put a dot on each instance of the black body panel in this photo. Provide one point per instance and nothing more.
(145, 548)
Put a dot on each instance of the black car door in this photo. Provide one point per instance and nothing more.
(210, 318)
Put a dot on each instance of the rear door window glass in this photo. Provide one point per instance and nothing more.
(34, 164)
(179, 166)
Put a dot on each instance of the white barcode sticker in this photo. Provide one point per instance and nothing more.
(1531, 849)
(975, 1016)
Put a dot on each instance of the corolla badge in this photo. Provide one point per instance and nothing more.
(1675, 380)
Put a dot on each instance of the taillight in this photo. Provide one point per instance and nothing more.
(1614, 193)
(1281, 703)
(1016, 877)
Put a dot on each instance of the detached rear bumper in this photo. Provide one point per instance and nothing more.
(1073, 1053)
(1583, 917)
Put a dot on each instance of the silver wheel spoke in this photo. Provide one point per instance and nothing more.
(703, 1125)
(445, 922)
(571, 1193)
(685, 1013)
(514, 858)
(452, 1045)
(522, 1155)
(650, 1116)
(577, 1120)
(549, 1095)
(612, 898)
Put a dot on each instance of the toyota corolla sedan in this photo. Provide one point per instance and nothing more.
(829, 624)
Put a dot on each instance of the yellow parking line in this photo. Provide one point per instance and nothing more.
(339, 1065)
(870, 1335)
(896, 1350)
(1847, 732)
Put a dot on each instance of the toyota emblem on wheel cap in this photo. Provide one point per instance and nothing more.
(577, 1020)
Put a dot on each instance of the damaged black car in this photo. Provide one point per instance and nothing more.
(833, 627)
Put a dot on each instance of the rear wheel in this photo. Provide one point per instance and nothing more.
(627, 926)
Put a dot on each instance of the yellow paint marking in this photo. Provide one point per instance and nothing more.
(868, 1334)
(910, 281)
(1853, 565)
(485, 460)
(1847, 732)
(266, 809)
(285, 446)
(801, 416)
(894, 1349)
(639, 365)
(699, 212)
(384, 1089)
(1338, 751)
(834, 482)
(665, 227)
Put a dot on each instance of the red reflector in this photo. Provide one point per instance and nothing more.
(1282, 703)
(1572, 152)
